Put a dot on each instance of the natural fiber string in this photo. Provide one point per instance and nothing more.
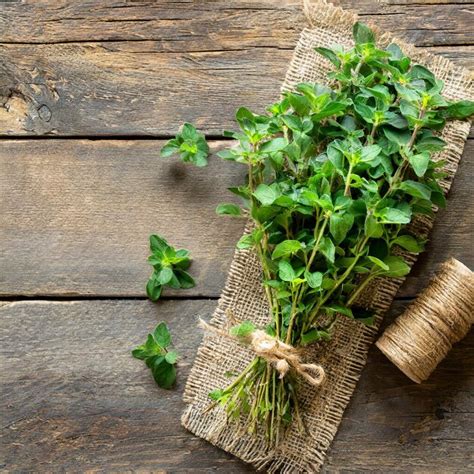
(442, 315)
(283, 357)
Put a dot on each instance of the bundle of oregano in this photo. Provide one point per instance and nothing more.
(335, 175)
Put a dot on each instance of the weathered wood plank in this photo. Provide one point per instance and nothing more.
(150, 61)
(217, 25)
(77, 215)
(73, 399)
(461, 56)
(129, 88)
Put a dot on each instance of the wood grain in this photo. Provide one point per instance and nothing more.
(217, 25)
(73, 399)
(144, 69)
(77, 215)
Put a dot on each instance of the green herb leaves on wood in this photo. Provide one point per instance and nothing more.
(189, 144)
(158, 357)
(169, 268)
(335, 174)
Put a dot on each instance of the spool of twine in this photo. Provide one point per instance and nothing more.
(418, 340)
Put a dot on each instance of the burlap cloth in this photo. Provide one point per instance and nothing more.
(345, 355)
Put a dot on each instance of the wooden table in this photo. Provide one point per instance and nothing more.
(88, 92)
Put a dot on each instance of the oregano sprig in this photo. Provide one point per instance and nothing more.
(169, 268)
(158, 357)
(189, 144)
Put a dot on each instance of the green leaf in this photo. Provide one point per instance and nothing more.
(421, 72)
(149, 349)
(164, 275)
(327, 248)
(378, 262)
(163, 373)
(285, 271)
(170, 148)
(243, 329)
(314, 335)
(397, 267)
(185, 280)
(162, 335)
(272, 146)
(246, 242)
(415, 189)
(314, 279)
(156, 357)
(370, 152)
(419, 163)
(409, 243)
(169, 265)
(153, 289)
(438, 199)
(460, 110)
(395, 120)
(158, 244)
(333, 108)
(395, 52)
(228, 209)
(362, 33)
(400, 137)
(339, 308)
(266, 194)
(408, 109)
(429, 143)
(391, 215)
(372, 227)
(365, 112)
(286, 248)
(216, 394)
(330, 55)
(340, 224)
(171, 357)
(244, 116)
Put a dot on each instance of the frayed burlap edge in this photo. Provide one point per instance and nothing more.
(345, 355)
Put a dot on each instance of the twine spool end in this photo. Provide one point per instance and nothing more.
(390, 351)
(419, 339)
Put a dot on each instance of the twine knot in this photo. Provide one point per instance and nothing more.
(283, 357)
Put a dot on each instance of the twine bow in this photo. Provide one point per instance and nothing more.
(283, 357)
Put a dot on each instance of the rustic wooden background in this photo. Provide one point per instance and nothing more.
(88, 92)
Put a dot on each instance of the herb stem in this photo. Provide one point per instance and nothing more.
(318, 241)
(347, 189)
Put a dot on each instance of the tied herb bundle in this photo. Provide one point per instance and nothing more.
(335, 175)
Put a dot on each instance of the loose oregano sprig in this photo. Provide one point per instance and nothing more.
(158, 357)
(169, 268)
(334, 176)
(190, 144)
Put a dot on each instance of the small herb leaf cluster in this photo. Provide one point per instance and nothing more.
(189, 144)
(169, 268)
(158, 357)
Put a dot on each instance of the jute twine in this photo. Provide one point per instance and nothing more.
(281, 356)
(442, 315)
